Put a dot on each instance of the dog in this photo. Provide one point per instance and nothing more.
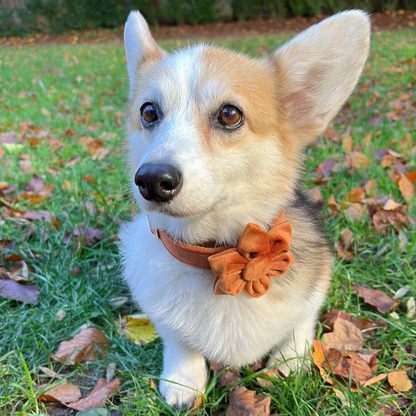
(215, 144)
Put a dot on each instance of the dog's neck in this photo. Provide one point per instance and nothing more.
(219, 227)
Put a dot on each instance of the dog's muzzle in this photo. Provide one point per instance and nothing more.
(158, 182)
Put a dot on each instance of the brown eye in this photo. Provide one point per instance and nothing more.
(230, 117)
(149, 113)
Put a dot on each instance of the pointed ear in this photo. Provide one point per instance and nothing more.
(140, 46)
(319, 68)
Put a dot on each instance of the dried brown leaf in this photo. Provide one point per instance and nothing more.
(63, 393)
(98, 396)
(383, 220)
(356, 160)
(228, 377)
(332, 203)
(391, 205)
(89, 236)
(399, 381)
(355, 212)
(328, 319)
(347, 143)
(26, 167)
(370, 187)
(346, 336)
(83, 347)
(375, 379)
(244, 402)
(406, 187)
(314, 194)
(355, 195)
(376, 298)
(347, 237)
(16, 291)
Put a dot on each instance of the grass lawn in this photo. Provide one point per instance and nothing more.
(73, 91)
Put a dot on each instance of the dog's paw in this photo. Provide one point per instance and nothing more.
(181, 390)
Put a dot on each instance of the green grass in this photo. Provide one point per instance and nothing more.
(83, 88)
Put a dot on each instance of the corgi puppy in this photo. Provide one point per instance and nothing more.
(215, 144)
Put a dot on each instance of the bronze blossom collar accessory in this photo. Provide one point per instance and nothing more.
(248, 266)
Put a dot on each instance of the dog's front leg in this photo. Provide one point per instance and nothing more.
(184, 372)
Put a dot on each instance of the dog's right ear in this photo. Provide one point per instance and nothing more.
(141, 48)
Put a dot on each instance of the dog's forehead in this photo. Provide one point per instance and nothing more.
(209, 76)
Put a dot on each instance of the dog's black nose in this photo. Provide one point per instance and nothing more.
(158, 182)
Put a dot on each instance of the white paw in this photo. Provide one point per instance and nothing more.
(180, 390)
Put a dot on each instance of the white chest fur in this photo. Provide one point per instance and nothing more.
(232, 330)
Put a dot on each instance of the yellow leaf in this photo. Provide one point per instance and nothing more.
(399, 381)
(138, 328)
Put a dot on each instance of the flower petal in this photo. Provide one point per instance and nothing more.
(280, 236)
(259, 287)
(230, 285)
(254, 242)
(280, 263)
(226, 262)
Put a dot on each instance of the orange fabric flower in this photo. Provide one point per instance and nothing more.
(258, 256)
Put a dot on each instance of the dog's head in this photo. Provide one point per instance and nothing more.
(213, 133)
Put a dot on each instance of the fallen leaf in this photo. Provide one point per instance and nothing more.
(60, 315)
(88, 178)
(244, 402)
(383, 220)
(375, 379)
(370, 187)
(89, 236)
(26, 167)
(403, 242)
(376, 298)
(63, 393)
(355, 212)
(330, 134)
(47, 372)
(332, 203)
(16, 291)
(391, 205)
(101, 153)
(73, 161)
(406, 187)
(340, 395)
(347, 143)
(355, 195)
(98, 396)
(328, 319)
(325, 168)
(401, 292)
(83, 347)
(399, 381)
(227, 377)
(111, 370)
(387, 160)
(411, 308)
(344, 364)
(314, 194)
(138, 328)
(346, 336)
(356, 160)
(347, 237)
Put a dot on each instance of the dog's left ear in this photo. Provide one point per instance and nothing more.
(140, 46)
(318, 70)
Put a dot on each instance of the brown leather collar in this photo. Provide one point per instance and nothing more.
(248, 266)
(195, 256)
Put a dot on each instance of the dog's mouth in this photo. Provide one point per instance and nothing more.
(171, 209)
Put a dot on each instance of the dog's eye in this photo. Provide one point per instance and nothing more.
(148, 113)
(230, 117)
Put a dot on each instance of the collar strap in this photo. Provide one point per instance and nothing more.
(195, 256)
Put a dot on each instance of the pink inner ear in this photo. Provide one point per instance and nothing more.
(299, 105)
